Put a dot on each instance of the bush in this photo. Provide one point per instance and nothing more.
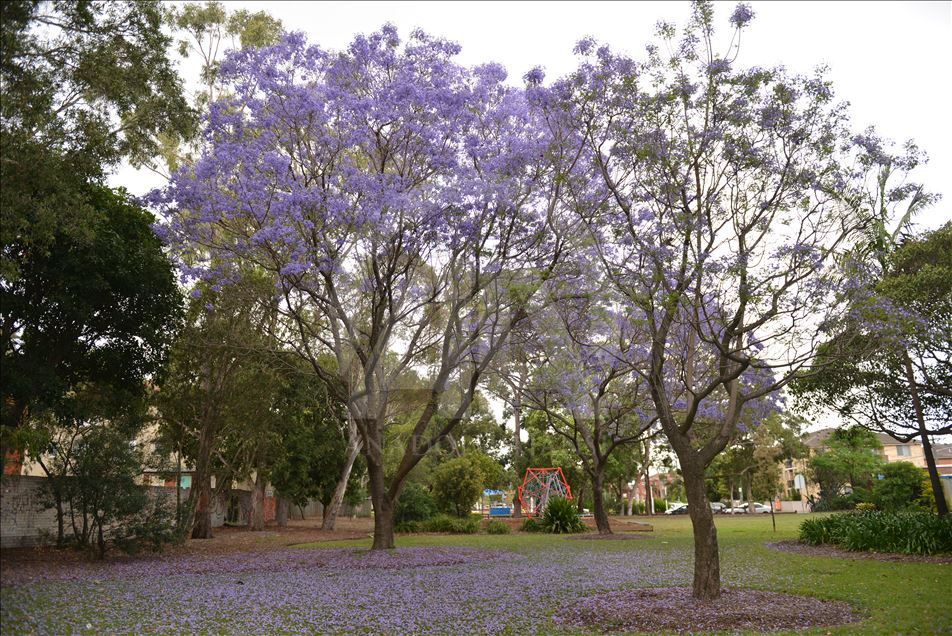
(530, 525)
(497, 526)
(451, 525)
(415, 504)
(457, 484)
(560, 517)
(866, 506)
(899, 489)
(440, 523)
(408, 527)
(907, 532)
(153, 528)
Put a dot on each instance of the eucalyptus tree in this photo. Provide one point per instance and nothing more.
(890, 368)
(731, 196)
(405, 205)
(86, 291)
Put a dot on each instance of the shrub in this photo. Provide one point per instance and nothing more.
(900, 488)
(560, 517)
(153, 528)
(497, 526)
(408, 526)
(871, 530)
(530, 525)
(866, 506)
(457, 484)
(451, 525)
(415, 504)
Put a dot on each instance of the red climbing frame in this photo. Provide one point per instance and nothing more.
(539, 485)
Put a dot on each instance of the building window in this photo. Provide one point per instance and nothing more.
(903, 450)
(788, 463)
(790, 484)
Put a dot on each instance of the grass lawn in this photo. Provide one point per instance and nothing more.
(275, 591)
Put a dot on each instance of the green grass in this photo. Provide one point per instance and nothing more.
(895, 597)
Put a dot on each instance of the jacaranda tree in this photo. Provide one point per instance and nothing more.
(584, 381)
(406, 205)
(730, 195)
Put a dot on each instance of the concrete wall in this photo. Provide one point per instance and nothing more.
(25, 521)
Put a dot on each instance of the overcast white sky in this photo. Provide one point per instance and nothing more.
(891, 60)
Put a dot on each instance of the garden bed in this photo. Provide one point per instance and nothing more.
(673, 609)
(826, 550)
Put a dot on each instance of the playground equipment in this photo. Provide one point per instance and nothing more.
(539, 485)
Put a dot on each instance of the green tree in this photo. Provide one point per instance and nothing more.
(890, 368)
(850, 456)
(213, 385)
(85, 85)
(99, 309)
(86, 292)
(458, 483)
(899, 488)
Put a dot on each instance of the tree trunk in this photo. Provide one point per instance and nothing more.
(598, 502)
(517, 449)
(748, 478)
(282, 513)
(707, 569)
(200, 505)
(178, 494)
(101, 541)
(383, 509)
(256, 518)
(60, 519)
(333, 508)
(941, 507)
(649, 495)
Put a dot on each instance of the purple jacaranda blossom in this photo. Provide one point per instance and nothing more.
(742, 15)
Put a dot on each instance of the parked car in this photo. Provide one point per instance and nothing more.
(677, 509)
(742, 509)
(717, 507)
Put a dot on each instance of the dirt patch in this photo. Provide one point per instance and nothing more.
(806, 549)
(673, 609)
(615, 536)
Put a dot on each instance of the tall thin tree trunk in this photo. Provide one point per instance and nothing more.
(941, 507)
(748, 479)
(178, 493)
(630, 496)
(517, 447)
(256, 518)
(101, 540)
(730, 485)
(200, 496)
(353, 449)
(598, 501)
(649, 495)
(707, 569)
(60, 521)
